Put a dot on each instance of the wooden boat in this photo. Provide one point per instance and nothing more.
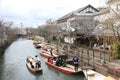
(68, 69)
(93, 75)
(45, 49)
(38, 46)
(36, 42)
(33, 70)
(28, 64)
(47, 54)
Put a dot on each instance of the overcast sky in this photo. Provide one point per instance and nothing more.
(36, 12)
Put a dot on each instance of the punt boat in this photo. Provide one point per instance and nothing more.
(68, 69)
(47, 54)
(31, 65)
(33, 69)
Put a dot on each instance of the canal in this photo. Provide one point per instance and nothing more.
(13, 64)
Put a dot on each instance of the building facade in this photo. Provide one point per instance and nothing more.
(81, 22)
(109, 20)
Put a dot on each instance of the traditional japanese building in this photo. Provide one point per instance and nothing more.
(81, 21)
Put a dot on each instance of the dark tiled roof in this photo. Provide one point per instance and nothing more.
(71, 14)
(81, 9)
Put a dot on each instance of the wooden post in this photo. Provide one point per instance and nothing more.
(100, 57)
(82, 55)
(88, 55)
(93, 58)
(104, 58)
(109, 58)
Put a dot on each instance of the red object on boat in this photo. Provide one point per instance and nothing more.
(65, 70)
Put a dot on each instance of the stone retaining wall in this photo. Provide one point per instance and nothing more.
(100, 67)
(113, 71)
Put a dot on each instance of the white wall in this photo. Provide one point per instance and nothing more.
(69, 40)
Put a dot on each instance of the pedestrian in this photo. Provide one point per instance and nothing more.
(51, 52)
(75, 62)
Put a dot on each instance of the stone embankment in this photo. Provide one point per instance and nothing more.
(3, 47)
(98, 59)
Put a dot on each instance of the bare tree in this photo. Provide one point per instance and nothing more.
(114, 23)
(6, 32)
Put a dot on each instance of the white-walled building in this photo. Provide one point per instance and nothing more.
(82, 20)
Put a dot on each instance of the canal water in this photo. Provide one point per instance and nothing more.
(13, 64)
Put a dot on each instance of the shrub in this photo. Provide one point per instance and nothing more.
(116, 50)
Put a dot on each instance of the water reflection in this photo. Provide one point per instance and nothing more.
(13, 64)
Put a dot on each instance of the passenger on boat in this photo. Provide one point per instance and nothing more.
(76, 62)
(37, 65)
(50, 60)
(31, 65)
(63, 62)
(54, 60)
(59, 62)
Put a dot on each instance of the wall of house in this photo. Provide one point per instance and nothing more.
(83, 24)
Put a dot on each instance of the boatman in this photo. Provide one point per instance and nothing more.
(75, 62)
(38, 62)
(36, 59)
